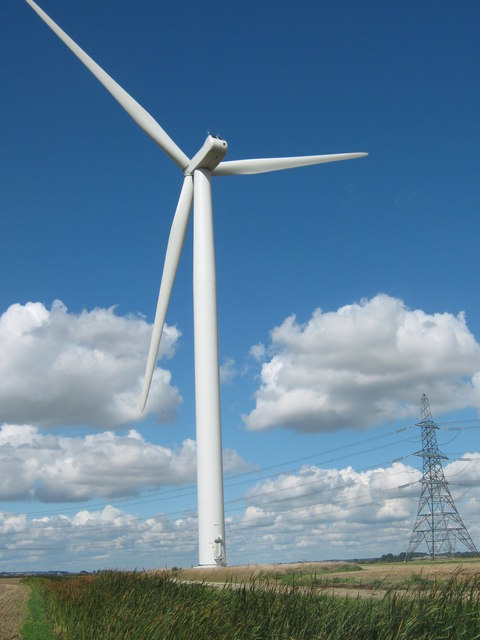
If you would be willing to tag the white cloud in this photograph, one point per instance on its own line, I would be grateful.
(61, 368)
(341, 513)
(365, 364)
(108, 538)
(228, 371)
(257, 351)
(53, 468)
(335, 491)
(312, 514)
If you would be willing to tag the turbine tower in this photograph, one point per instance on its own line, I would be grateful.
(438, 522)
(197, 172)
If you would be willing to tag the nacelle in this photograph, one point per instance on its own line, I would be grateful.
(209, 156)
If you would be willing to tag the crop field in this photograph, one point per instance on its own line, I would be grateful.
(343, 578)
(415, 601)
(13, 598)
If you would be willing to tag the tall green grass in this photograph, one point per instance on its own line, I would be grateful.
(116, 606)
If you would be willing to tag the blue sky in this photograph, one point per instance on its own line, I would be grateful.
(345, 290)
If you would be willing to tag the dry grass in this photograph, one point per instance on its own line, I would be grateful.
(13, 599)
(342, 576)
(400, 574)
(245, 573)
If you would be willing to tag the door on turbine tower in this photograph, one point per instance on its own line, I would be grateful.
(219, 552)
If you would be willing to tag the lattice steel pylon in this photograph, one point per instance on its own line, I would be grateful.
(438, 522)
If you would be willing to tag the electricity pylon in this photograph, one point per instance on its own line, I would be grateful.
(438, 522)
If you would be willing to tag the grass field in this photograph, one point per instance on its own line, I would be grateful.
(415, 601)
(418, 601)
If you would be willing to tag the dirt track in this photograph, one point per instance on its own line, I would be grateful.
(13, 599)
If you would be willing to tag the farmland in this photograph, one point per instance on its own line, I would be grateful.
(418, 600)
(342, 578)
(13, 598)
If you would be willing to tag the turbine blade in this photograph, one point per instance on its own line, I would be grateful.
(263, 165)
(131, 106)
(172, 258)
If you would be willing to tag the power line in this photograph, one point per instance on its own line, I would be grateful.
(190, 489)
(126, 527)
(93, 528)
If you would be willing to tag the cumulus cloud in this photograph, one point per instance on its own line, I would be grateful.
(62, 368)
(321, 513)
(107, 538)
(338, 494)
(365, 364)
(314, 513)
(53, 468)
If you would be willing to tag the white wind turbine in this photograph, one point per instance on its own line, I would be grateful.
(197, 171)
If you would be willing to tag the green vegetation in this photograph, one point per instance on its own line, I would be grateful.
(147, 606)
(420, 581)
(34, 625)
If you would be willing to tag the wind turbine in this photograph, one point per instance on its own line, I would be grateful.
(197, 171)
